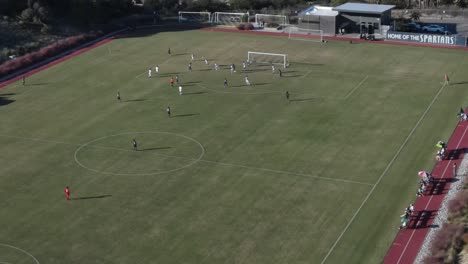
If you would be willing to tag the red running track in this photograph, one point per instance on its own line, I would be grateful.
(407, 243)
(54, 62)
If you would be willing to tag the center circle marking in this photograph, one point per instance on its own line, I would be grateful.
(195, 160)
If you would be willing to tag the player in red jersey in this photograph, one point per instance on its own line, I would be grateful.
(67, 192)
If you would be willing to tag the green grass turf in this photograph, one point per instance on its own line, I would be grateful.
(274, 182)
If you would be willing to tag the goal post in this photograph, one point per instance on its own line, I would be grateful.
(271, 19)
(200, 17)
(228, 18)
(267, 58)
(314, 35)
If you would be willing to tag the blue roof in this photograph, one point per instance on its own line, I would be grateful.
(363, 8)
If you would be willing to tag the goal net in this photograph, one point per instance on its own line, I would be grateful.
(315, 35)
(267, 58)
(199, 17)
(231, 19)
(271, 20)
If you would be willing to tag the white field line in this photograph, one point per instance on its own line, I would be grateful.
(191, 159)
(430, 199)
(383, 174)
(21, 250)
(356, 87)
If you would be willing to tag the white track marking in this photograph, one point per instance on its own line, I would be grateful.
(430, 199)
(21, 250)
(356, 87)
(383, 173)
(193, 159)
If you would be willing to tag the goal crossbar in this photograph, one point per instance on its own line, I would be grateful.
(315, 35)
(258, 18)
(216, 15)
(181, 15)
(267, 58)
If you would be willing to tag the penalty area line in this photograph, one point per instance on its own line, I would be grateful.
(383, 174)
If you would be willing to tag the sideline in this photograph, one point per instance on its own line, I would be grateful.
(384, 173)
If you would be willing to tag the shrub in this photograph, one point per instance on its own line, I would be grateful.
(458, 204)
(272, 25)
(44, 53)
(447, 242)
(249, 26)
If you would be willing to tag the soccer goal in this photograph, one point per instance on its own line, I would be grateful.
(227, 18)
(276, 20)
(315, 35)
(267, 58)
(200, 17)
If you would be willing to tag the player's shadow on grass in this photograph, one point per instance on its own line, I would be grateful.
(195, 93)
(4, 100)
(158, 148)
(289, 76)
(168, 74)
(91, 197)
(35, 84)
(455, 83)
(134, 100)
(185, 115)
(304, 99)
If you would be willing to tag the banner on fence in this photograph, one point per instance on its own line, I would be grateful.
(451, 40)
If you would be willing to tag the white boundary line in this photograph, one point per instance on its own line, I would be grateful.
(383, 174)
(200, 160)
(430, 199)
(21, 250)
(356, 87)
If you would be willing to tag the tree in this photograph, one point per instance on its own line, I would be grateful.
(461, 3)
(415, 15)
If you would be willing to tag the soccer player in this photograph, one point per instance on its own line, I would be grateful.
(216, 66)
(225, 83)
(272, 68)
(232, 68)
(247, 82)
(171, 81)
(24, 80)
(169, 51)
(177, 79)
(190, 66)
(244, 66)
(149, 73)
(118, 96)
(180, 90)
(193, 57)
(446, 80)
(156, 69)
(206, 61)
(67, 193)
(287, 96)
(135, 145)
(168, 111)
(280, 72)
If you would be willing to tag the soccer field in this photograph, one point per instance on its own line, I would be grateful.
(235, 175)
